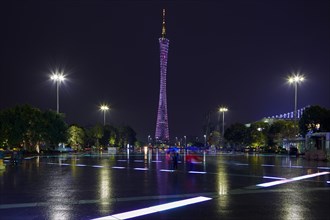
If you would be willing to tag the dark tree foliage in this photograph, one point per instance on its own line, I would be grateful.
(314, 119)
(27, 126)
(96, 133)
(126, 136)
(110, 136)
(237, 134)
(279, 130)
(55, 128)
(257, 134)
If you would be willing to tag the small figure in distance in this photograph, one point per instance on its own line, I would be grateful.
(175, 157)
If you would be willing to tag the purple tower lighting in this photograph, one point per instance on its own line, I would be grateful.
(162, 131)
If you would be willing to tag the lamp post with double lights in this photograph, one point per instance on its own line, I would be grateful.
(104, 108)
(223, 110)
(58, 77)
(295, 79)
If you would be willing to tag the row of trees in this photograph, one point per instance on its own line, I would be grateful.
(314, 119)
(99, 135)
(260, 134)
(31, 129)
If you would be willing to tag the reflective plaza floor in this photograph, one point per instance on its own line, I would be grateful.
(219, 186)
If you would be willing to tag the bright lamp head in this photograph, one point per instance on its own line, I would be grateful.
(58, 76)
(104, 107)
(296, 78)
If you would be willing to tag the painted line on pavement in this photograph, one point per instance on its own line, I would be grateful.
(278, 182)
(118, 167)
(81, 165)
(141, 168)
(197, 172)
(241, 164)
(64, 164)
(163, 170)
(28, 158)
(154, 209)
(98, 166)
(273, 177)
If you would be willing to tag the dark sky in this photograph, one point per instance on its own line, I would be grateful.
(236, 53)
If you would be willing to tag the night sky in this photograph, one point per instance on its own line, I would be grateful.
(236, 53)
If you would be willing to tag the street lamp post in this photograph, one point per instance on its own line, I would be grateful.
(204, 140)
(185, 141)
(223, 110)
(218, 124)
(58, 77)
(104, 108)
(295, 79)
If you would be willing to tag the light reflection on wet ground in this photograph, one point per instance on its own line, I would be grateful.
(87, 186)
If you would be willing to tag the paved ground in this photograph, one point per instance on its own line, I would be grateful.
(99, 185)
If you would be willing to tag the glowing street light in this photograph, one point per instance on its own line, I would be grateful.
(295, 79)
(223, 110)
(104, 108)
(58, 77)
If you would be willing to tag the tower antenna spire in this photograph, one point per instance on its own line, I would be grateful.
(163, 25)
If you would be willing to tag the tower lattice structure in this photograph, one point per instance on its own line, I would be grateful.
(162, 130)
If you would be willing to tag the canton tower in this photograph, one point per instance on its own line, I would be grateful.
(162, 132)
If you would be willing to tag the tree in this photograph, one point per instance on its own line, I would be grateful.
(32, 121)
(10, 134)
(113, 137)
(89, 139)
(28, 127)
(236, 134)
(138, 144)
(55, 128)
(313, 119)
(76, 136)
(110, 136)
(280, 130)
(257, 134)
(21, 126)
(214, 138)
(126, 136)
(96, 133)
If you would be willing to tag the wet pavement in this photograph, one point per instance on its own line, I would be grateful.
(89, 186)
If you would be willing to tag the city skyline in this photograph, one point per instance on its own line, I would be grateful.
(235, 54)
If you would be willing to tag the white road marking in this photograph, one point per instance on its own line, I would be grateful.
(154, 209)
(292, 179)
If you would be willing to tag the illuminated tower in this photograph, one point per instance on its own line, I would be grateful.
(162, 133)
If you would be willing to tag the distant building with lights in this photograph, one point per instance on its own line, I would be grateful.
(316, 145)
(286, 116)
(162, 130)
